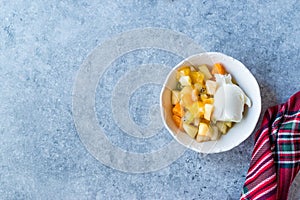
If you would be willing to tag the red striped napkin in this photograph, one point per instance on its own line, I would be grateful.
(276, 155)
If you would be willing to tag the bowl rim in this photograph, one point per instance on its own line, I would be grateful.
(250, 129)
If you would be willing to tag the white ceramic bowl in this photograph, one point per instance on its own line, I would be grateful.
(240, 131)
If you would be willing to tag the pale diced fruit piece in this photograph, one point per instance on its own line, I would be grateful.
(201, 138)
(193, 69)
(175, 96)
(197, 77)
(208, 108)
(183, 71)
(186, 96)
(205, 71)
(211, 87)
(186, 90)
(196, 121)
(186, 100)
(197, 109)
(195, 95)
(222, 127)
(208, 101)
(190, 130)
(203, 129)
(203, 97)
(205, 132)
(216, 133)
(185, 80)
(229, 124)
(198, 86)
(188, 117)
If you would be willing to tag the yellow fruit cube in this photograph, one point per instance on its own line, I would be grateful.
(183, 71)
(203, 97)
(197, 77)
(222, 127)
(208, 101)
(203, 129)
(205, 132)
(229, 124)
(208, 108)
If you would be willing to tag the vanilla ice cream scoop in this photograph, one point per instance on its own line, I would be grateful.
(229, 100)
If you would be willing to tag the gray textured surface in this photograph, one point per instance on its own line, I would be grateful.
(42, 45)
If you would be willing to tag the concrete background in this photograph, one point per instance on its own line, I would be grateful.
(43, 44)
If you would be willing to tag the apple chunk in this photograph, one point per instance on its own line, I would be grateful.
(190, 130)
(211, 87)
(208, 108)
(175, 97)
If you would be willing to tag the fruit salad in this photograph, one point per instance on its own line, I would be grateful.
(206, 103)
